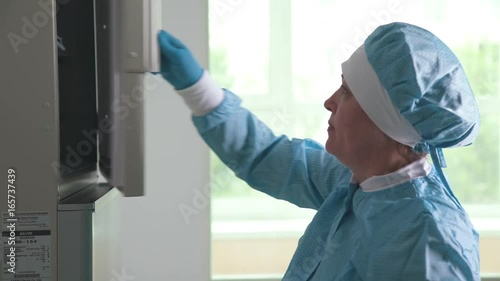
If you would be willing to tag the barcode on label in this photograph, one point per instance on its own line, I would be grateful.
(26, 275)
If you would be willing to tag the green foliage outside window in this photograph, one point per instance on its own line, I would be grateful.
(474, 171)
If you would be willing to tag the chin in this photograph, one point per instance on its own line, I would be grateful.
(329, 148)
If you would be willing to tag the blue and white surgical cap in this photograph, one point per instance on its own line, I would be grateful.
(413, 87)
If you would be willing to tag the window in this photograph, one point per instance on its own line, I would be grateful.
(283, 58)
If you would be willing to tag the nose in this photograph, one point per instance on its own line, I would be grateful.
(331, 104)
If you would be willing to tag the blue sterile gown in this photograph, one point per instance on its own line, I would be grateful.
(415, 230)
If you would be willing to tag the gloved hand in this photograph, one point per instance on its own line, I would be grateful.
(178, 66)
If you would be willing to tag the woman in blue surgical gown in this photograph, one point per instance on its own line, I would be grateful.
(384, 212)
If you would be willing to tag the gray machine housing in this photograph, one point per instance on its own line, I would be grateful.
(63, 96)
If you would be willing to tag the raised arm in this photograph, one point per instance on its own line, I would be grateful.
(299, 171)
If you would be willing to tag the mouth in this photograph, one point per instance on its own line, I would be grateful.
(330, 127)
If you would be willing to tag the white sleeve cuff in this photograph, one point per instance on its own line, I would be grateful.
(203, 96)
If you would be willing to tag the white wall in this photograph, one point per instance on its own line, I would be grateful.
(157, 242)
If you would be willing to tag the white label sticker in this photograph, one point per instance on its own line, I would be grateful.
(26, 247)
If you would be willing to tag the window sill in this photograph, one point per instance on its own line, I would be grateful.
(485, 217)
(255, 229)
(485, 277)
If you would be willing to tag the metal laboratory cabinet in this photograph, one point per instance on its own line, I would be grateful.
(71, 137)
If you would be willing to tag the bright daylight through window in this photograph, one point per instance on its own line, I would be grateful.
(283, 58)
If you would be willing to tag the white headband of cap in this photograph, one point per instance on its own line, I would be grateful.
(375, 101)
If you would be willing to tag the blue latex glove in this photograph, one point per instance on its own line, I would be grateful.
(178, 66)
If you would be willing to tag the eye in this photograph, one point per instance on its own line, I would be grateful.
(344, 90)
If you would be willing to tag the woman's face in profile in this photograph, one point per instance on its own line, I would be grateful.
(351, 133)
